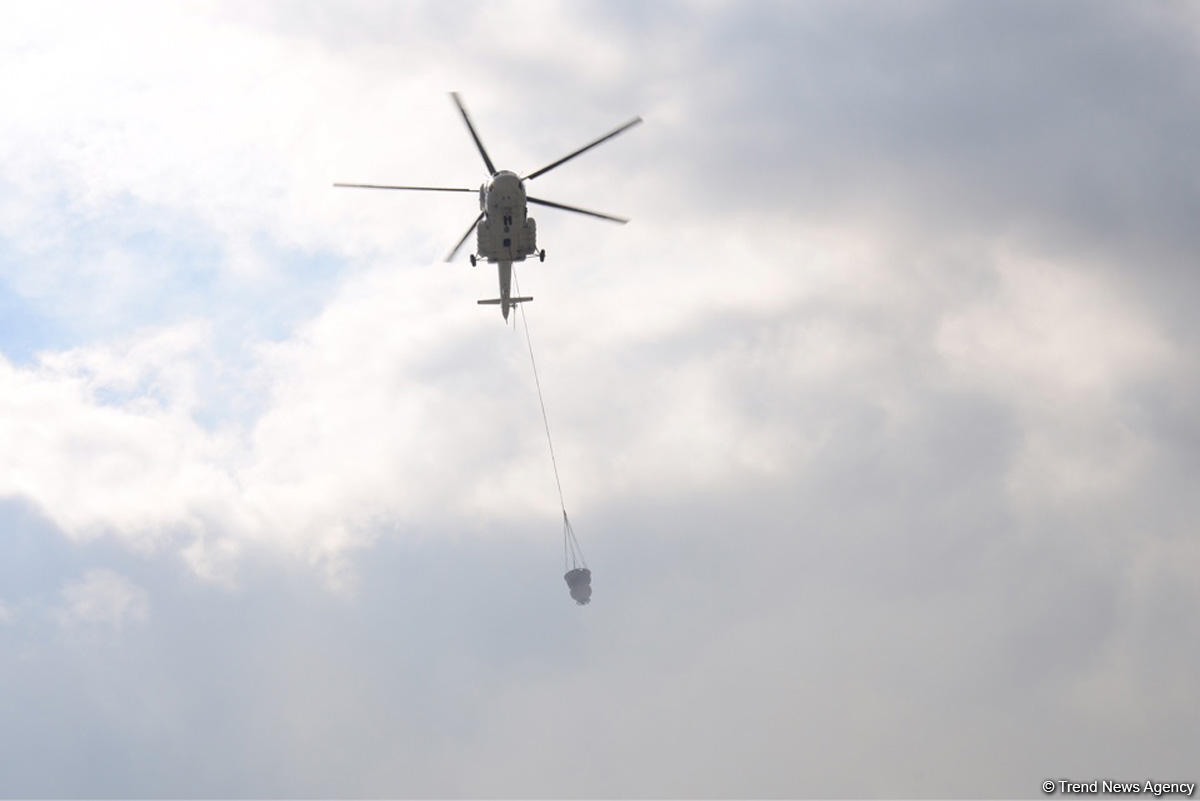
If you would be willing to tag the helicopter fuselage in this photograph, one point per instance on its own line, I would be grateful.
(506, 232)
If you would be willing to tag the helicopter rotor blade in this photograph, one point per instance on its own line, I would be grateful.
(540, 202)
(467, 119)
(450, 256)
(417, 188)
(583, 149)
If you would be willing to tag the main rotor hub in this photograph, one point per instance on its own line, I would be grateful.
(505, 190)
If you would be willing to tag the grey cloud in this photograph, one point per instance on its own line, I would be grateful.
(802, 642)
(1068, 126)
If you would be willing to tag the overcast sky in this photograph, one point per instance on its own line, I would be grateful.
(877, 423)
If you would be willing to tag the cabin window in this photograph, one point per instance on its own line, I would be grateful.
(507, 243)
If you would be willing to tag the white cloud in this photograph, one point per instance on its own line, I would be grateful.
(101, 439)
(402, 403)
(1053, 335)
(1066, 349)
(103, 598)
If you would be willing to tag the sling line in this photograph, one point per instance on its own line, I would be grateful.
(572, 553)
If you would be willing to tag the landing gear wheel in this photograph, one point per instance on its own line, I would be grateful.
(541, 255)
(472, 261)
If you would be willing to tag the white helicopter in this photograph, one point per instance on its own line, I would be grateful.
(506, 232)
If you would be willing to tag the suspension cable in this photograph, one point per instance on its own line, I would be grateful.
(572, 552)
(570, 541)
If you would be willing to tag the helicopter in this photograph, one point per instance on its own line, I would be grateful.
(505, 233)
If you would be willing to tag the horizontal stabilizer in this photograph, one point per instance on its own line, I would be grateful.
(497, 301)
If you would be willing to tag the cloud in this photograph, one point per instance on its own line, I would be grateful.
(101, 438)
(877, 421)
(103, 598)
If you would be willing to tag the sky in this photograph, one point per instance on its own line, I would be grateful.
(876, 423)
